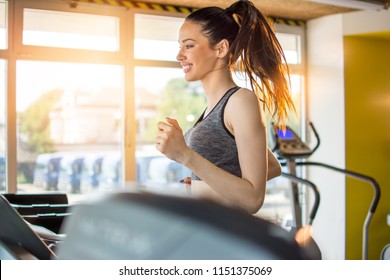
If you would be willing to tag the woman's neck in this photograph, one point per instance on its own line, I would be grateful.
(216, 85)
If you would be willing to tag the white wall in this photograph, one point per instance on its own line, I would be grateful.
(325, 73)
(366, 22)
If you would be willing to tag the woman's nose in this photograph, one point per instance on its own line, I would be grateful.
(179, 56)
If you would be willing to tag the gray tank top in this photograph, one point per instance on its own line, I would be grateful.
(210, 138)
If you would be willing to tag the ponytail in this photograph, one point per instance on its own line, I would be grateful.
(261, 56)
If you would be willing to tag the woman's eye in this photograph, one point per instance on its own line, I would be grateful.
(189, 46)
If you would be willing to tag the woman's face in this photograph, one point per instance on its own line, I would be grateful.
(196, 55)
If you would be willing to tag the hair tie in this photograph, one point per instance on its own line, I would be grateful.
(229, 11)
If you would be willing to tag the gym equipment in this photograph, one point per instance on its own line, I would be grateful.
(146, 225)
(43, 209)
(290, 147)
(17, 239)
(385, 254)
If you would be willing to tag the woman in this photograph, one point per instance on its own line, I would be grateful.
(226, 149)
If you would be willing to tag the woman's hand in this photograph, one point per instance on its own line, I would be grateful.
(187, 182)
(170, 140)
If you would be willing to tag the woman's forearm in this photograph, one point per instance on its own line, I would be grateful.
(274, 167)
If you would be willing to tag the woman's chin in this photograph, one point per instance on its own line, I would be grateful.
(188, 79)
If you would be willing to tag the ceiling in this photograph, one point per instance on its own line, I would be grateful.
(286, 9)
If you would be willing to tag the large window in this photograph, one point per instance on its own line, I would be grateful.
(292, 48)
(3, 24)
(69, 88)
(70, 30)
(3, 83)
(69, 126)
(156, 37)
(2, 125)
(291, 44)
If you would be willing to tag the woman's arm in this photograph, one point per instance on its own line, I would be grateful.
(201, 189)
(274, 167)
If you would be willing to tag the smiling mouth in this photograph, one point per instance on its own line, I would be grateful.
(187, 68)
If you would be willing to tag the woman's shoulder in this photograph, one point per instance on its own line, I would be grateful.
(243, 97)
(243, 110)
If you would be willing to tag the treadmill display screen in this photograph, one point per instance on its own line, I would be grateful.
(288, 135)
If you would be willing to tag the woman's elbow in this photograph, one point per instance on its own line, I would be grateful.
(254, 206)
(274, 171)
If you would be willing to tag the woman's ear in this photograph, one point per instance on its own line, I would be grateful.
(222, 48)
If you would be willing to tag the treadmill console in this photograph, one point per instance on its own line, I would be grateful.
(289, 145)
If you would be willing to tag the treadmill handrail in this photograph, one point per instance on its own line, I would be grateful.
(316, 203)
(374, 201)
(356, 175)
(317, 137)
